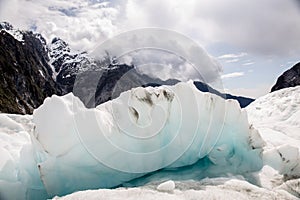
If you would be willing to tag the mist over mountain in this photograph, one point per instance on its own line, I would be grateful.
(34, 69)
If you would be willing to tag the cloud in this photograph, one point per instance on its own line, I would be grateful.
(231, 56)
(238, 23)
(248, 63)
(232, 60)
(232, 75)
(83, 24)
(242, 24)
(164, 53)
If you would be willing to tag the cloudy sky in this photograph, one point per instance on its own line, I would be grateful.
(254, 41)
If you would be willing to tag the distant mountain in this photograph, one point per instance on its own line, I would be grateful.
(33, 70)
(243, 101)
(289, 78)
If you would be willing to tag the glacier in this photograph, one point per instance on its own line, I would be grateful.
(149, 135)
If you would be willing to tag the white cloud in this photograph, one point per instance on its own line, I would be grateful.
(232, 56)
(238, 23)
(83, 24)
(234, 22)
(164, 53)
(232, 60)
(248, 63)
(232, 75)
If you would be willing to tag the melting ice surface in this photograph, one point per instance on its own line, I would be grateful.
(145, 135)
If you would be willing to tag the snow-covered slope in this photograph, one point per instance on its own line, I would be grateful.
(278, 113)
(277, 117)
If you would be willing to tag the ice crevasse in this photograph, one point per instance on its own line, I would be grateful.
(145, 134)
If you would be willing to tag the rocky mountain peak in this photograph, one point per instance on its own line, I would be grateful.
(6, 26)
(289, 78)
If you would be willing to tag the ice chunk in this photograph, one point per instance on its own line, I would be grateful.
(142, 131)
(167, 186)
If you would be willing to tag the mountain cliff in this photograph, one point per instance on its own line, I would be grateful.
(25, 73)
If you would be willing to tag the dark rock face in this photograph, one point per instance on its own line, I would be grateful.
(25, 74)
(289, 78)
